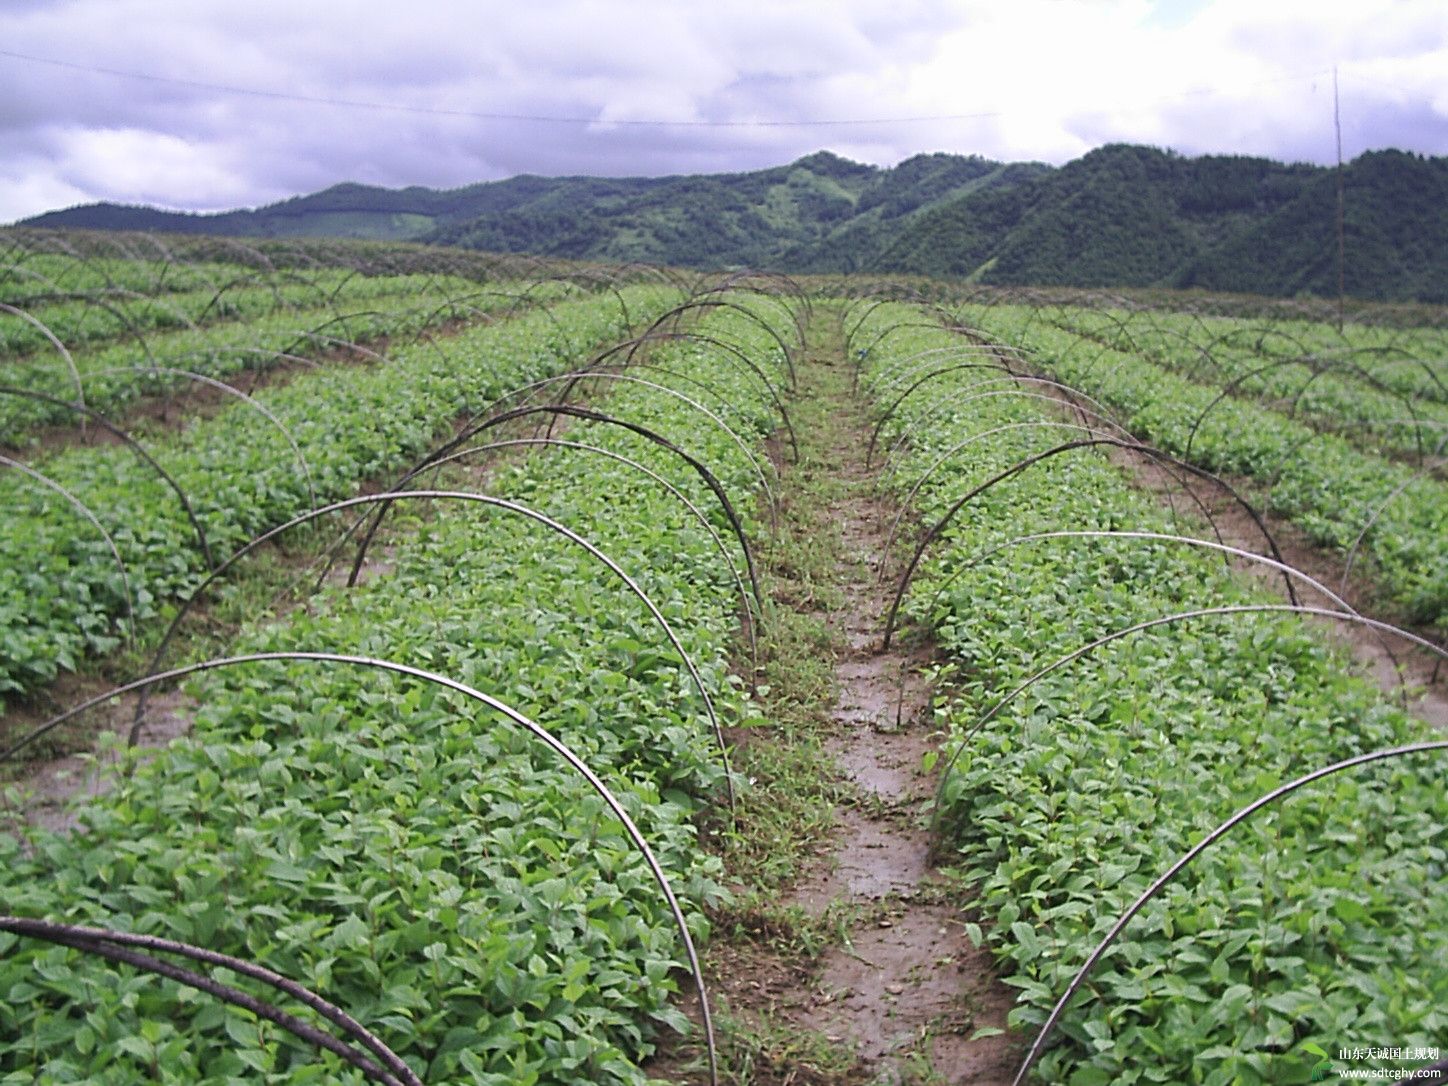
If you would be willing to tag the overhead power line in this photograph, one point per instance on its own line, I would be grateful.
(350, 103)
(538, 118)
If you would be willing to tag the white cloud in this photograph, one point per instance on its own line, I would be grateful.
(150, 167)
(1045, 79)
(27, 185)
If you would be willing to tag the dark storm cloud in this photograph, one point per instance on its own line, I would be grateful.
(1034, 79)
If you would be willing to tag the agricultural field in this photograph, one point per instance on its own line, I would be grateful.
(1347, 442)
(490, 670)
(1088, 763)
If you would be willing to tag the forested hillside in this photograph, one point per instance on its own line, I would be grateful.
(1122, 215)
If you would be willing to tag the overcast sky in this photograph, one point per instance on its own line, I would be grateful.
(211, 104)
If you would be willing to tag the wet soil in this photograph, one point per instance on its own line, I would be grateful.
(901, 986)
(50, 795)
(1413, 676)
(194, 401)
(79, 760)
(908, 988)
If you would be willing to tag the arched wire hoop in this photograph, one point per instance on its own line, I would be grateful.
(457, 495)
(909, 498)
(967, 343)
(593, 278)
(1065, 396)
(267, 358)
(778, 283)
(889, 411)
(85, 511)
(749, 456)
(752, 606)
(1288, 572)
(712, 303)
(799, 318)
(1163, 461)
(723, 401)
(1335, 367)
(589, 414)
(1021, 465)
(631, 346)
(1166, 620)
(55, 342)
(893, 372)
(115, 946)
(1228, 391)
(230, 390)
(1377, 512)
(963, 328)
(336, 343)
(542, 734)
(873, 301)
(251, 278)
(132, 444)
(98, 300)
(460, 302)
(788, 293)
(597, 368)
(1038, 1046)
(342, 319)
(1440, 391)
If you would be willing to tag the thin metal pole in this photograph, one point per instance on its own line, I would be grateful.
(1341, 215)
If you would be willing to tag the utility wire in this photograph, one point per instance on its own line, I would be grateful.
(349, 103)
(535, 118)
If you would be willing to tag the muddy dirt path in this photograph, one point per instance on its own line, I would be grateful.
(901, 984)
(910, 990)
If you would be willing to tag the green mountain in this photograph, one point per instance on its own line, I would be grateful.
(1135, 216)
(1121, 215)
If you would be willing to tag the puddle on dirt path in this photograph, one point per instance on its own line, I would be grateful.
(907, 989)
(910, 999)
(877, 858)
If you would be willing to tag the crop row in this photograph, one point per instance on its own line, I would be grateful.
(1341, 392)
(1315, 924)
(37, 264)
(1341, 497)
(1407, 359)
(115, 374)
(107, 315)
(63, 592)
(424, 864)
(27, 274)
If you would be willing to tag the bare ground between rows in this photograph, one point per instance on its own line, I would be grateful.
(82, 760)
(171, 411)
(1402, 670)
(1399, 668)
(49, 792)
(903, 988)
